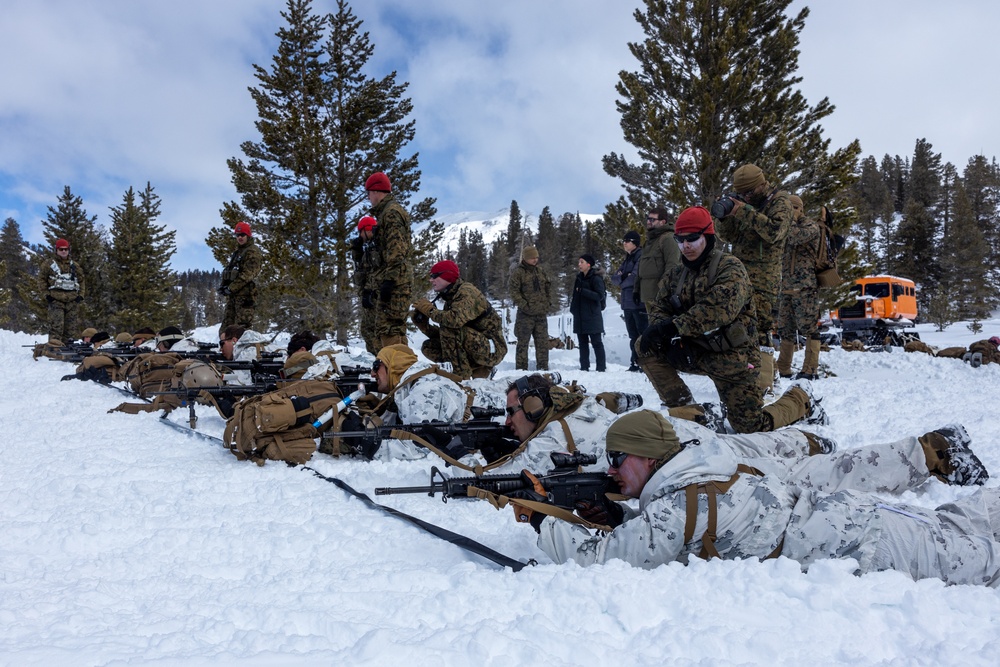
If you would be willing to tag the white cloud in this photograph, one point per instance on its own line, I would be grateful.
(513, 100)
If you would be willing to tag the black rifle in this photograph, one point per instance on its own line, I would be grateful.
(457, 439)
(225, 397)
(563, 485)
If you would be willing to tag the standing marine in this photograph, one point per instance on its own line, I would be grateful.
(531, 290)
(239, 278)
(394, 274)
(62, 281)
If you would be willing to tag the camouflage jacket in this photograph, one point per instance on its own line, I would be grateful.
(465, 306)
(395, 245)
(758, 239)
(798, 263)
(368, 263)
(62, 275)
(811, 507)
(243, 268)
(707, 307)
(530, 288)
(660, 254)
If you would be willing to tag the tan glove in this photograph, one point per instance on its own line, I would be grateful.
(424, 307)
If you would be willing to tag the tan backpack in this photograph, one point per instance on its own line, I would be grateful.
(279, 425)
(150, 373)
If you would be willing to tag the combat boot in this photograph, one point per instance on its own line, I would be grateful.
(819, 444)
(766, 381)
(619, 402)
(784, 363)
(811, 362)
(948, 451)
(709, 415)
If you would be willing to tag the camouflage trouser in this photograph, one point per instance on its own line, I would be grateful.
(734, 374)
(526, 326)
(466, 349)
(765, 304)
(798, 313)
(239, 310)
(390, 317)
(367, 326)
(63, 320)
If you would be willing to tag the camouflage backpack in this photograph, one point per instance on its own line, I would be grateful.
(151, 373)
(279, 425)
(830, 245)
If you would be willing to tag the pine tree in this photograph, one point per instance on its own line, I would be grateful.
(472, 259)
(715, 89)
(982, 186)
(141, 283)
(15, 313)
(873, 202)
(914, 254)
(570, 231)
(515, 237)
(324, 127)
(963, 272)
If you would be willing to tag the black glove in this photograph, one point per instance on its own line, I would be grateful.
(224, 290)
(368, 298)
(78, 299)
(385, 291)
(49, 298)
(497, 445)
(435, 436)
(604, 512)
(656, 335)
(635, 297)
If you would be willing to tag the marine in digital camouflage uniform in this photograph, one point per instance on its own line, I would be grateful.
(824, 508)
(702, 321)
(530, 288)
(798, 305)
(466, 332)
(366, 263)
(63, 286)
(756, 230)
(239, 278)
(394, 273)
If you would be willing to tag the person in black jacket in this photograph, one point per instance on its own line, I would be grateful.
(589, 296)
(633, 310)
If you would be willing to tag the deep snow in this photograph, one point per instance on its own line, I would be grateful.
(123, 541)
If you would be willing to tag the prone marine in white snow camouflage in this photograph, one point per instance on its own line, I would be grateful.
(822, 507)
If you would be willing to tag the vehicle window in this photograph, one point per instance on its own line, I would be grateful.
(877, 290)
(897, 291)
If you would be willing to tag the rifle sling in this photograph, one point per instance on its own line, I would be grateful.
(711, 490)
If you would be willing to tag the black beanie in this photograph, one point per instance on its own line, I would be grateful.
(589, 259)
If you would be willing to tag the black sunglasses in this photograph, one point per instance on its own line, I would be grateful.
(616, 459)
(513, 410)
(377, 364)
(687, 238)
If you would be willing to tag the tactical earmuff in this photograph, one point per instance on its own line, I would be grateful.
(534, 402)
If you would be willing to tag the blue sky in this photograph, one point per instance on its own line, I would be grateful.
(512, 100)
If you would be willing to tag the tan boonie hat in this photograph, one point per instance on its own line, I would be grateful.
(796, 202)
(644, 433)
(124, 338)
(529, 252)
(88, 332)
(747, 177)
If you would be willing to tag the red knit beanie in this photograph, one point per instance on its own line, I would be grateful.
(242, 228)
(367, 222)
(378, 182)
(62, 243)
(694, 220)
(446, 269)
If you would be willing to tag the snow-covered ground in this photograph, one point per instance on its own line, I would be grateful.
(123, 541)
